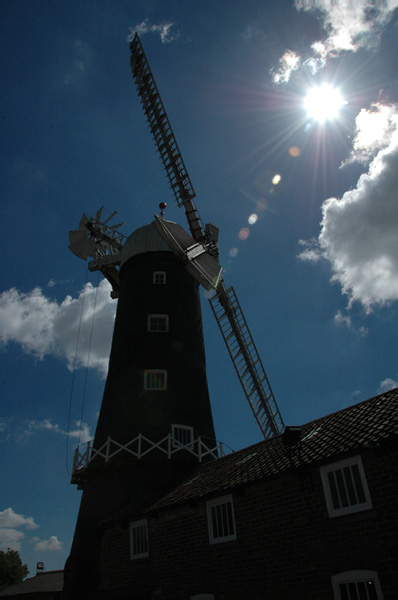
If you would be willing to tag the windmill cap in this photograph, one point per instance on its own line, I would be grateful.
(144, 239)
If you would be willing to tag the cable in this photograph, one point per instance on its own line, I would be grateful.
(88, 360)
(73, 376)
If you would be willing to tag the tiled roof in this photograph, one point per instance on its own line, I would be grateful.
(368, 424)
(49, 581)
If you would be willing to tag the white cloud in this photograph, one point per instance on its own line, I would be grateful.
(5, 430)
(54, 282)
(53, 543)
(9, 518)
(349, 26)
(359, 231)
(82, 431)
(163, 29)
(288, 63)
(341, 319)
(10, 538)
(375, 129)
(388, 384)
(10, 521)
(45, 327)
(311, 251)
(79, 62)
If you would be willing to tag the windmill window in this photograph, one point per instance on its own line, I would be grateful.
(182, 436)
(158, 323)
(345, 487)
(220, 519)
(159, 277)
(155, 379)
(139, 539)
(355, 585)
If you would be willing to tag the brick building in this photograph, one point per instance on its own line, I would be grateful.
(309, 514)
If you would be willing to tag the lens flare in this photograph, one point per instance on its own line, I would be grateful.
(276, 179)
(294, 151)
(244, 233)
(252, 219)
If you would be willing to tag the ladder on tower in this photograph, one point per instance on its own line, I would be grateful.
(246, 361)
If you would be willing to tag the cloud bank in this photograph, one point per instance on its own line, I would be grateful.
(45, 327)
(359, 231)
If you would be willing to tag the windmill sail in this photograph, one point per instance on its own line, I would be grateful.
(163, 135)
(246, 361)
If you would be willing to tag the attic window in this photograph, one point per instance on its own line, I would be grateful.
(220, 518)
(182, 436)
(345, 487)
(159, 277)
(139, 539)
(356, 584)
(155, 380)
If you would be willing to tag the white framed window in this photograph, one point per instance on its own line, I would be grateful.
(139, 539)
(155, 379)
(220, 519)
(345, 487)
(159, 277)
(357, 585)
(158, 323)
(182, 436)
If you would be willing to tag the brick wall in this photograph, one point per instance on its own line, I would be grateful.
(286, 547)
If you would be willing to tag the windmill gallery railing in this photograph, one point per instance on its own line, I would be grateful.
(140, 446)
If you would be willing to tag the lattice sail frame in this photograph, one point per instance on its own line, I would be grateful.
(164, 138)
(246, 361)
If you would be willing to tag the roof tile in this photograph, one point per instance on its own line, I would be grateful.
(366, 424)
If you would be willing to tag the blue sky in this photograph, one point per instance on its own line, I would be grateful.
(315, 269)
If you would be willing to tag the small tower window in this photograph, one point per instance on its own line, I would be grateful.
(155, 379)
(182, 436)
(159, 277)
(158, 323)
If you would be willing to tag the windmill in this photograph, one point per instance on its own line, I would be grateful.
(197, 250)
(155, 421)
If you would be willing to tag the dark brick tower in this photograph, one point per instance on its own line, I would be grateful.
(155, 403)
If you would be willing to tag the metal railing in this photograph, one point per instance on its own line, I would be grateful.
(140, 446)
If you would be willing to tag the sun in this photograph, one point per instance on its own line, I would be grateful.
(323, 103)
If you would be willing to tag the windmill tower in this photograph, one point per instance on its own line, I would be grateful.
(155, 422)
